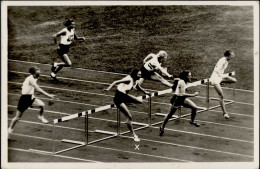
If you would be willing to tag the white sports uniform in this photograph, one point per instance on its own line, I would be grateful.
(68, 37)
(217, 74)
(123, 87)
(28, 88)
(152, 64)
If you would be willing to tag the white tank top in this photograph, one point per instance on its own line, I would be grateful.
(123, 87)
(178, 88)
(27, 87)
(68, 37)
(221, 65)
(152, 64)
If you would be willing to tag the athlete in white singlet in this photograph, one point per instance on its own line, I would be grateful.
(67, 35)
(28, 99)
(122, 97)
(152, 63)
(217, 77)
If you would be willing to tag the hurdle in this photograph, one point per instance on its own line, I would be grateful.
(196, 83)
(84, 114)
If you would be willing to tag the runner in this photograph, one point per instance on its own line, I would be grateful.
(152, 63)
(218, 77)
(122, 97)
(180, 99)
(28, 99)
(67, 35)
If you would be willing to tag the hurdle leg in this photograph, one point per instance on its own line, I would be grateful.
(150, 111)
(179, 112)
(53, 139)
(234, 90)
(86, 128)
(207, 95)
(118, 121)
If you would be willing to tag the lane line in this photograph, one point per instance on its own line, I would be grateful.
(228, 125)
(55, 155)
(205, 149)
(78, 91)
(91, 70)
(65, 78)
(95, 82)
(131, 152)
(181, 131)
(12, 60)
(234, 113)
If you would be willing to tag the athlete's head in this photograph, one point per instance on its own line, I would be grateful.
(162, 55)
(185, 75)
(35, 71)
(135, 74)
(229, 54)
(69, 23)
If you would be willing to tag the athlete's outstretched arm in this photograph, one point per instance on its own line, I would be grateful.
(141, 89)
(35, 85)
(78, 38)
(115, 83)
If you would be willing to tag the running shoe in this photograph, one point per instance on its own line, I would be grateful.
(194, 124)
(43, 119)
(226, 116)
(54, 77)
(136, 138)
(54, 66)
(161, 131)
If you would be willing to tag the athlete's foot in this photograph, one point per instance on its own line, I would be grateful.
(136, 138)
(54, 66)
(194, 124)
(53, 76)
(161, 131)
(43, 119)
(226, 116)
(10, 131)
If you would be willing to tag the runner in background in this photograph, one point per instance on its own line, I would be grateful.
(67, 35)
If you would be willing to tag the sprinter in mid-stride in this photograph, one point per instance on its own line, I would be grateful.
(28, 99)
(67, 35)
(180, 98)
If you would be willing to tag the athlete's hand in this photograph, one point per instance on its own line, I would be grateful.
(52, 96)
(83, 38)
(196, 93)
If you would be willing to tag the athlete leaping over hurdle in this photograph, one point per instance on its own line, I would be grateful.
(152, 63)
(121, 96)
(218, 76)
(180, 99)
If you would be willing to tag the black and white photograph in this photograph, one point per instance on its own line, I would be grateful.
(129, 84)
